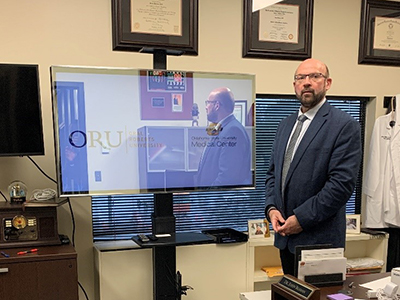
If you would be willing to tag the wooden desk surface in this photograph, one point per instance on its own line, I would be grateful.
(357, 291)
(44, 253)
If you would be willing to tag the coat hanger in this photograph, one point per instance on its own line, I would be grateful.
(392, 113)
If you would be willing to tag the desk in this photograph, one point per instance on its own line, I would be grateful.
(358, 291)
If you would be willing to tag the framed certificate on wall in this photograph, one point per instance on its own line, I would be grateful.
(279, 31)
(379, 33)
(155, 24)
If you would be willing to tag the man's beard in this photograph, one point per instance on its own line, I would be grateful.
(212, 117)
(310, 100)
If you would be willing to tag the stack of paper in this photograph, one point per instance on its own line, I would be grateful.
(322, 261)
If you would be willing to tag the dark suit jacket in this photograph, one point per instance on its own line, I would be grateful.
(321, 177)
(226, 160)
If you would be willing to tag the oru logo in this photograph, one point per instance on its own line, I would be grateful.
(132, 139)
(108, 139)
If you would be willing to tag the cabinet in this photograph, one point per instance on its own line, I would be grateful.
(48, 274)
(261, 253)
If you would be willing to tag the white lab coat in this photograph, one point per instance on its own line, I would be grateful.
(382, 176)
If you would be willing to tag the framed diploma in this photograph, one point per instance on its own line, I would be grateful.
(380, 33)
(279, 31)
(138, 25)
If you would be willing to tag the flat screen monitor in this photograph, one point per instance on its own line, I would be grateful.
(128, 131)
(21, 131)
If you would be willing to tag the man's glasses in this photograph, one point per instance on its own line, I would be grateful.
(209, 101)
(311, 76)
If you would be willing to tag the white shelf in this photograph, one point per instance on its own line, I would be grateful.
(262, 241)
(364, 237)
(261, 253)
(349, 237)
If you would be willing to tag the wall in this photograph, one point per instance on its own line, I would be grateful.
(78, 32)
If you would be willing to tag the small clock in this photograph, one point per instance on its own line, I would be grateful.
(19, 222)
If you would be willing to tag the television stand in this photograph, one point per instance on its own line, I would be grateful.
(167, 284)
(181, 288)
(176, 239)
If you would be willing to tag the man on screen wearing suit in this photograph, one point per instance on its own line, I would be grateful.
(226, 160)
(308, 207)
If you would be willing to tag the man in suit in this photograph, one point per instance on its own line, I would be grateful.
(226, 160)
(308, 208)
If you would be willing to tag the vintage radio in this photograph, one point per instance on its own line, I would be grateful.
(28, 224)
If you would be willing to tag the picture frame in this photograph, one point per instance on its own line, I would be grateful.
(258, 228)
(240, 111)
(379, 33)
(177, 32)
(290, 38)
(353, 224)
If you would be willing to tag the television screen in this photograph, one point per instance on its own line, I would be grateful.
(126, 131)
(21, 131)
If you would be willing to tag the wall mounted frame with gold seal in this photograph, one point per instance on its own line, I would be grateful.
(279, 31)
(379, 33)
(139, 25)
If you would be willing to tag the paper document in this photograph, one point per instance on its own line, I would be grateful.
(322, 254)
(376, 284)
(324, 266)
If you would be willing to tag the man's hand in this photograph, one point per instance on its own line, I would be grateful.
(291, 226)
(282, 226)
(276, 219)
